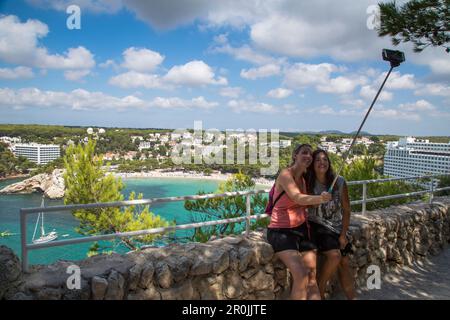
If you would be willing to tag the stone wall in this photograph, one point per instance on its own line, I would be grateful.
(234, 267)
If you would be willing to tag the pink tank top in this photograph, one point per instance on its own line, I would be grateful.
(286, 213)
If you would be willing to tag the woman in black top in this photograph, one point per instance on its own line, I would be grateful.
(330, 222)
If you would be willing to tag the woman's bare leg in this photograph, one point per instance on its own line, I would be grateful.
(310, 261)
(329, 267)
(292, 259)
(346, 278)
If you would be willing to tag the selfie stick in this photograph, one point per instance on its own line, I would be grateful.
(394, 63)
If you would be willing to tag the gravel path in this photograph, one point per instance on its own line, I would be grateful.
(424, 280)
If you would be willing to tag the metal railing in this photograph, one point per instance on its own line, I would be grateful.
(247, 218)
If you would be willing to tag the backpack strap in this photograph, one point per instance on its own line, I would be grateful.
(278, 198)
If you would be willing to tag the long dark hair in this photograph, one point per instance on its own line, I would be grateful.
(311, 174)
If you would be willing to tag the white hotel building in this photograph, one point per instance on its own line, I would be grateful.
(38, 153)
(411, 157)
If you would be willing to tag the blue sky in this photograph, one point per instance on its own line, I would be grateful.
(289, 65)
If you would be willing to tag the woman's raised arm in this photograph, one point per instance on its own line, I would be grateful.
(287, 183)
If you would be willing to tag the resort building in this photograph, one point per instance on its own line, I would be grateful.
(38, 153)
(285, 143)
(144, 145)
(412, 157)
(328, 146)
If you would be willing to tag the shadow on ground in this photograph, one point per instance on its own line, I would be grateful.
(428, 279)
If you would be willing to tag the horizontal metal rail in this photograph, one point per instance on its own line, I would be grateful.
(360, 182)
(26, 211)
(127, 203)
(141, 232)
(394, 196)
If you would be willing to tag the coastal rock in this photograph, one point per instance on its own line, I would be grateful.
(184, 291)
(98, 286)
(163, 275)
(115, 290)
(245, 256)
(49, 294)
(134, 274)
(78, 294)
(10, 269)
(147, 275)
(52, 185)
(260, 281)
(148, 294)
(233, 286)
(210, 288)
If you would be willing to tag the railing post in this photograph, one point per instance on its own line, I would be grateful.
(364, 198)
(23, 238)
(431, 191)
(248, 213)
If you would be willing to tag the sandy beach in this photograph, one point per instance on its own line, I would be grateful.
(187, 175)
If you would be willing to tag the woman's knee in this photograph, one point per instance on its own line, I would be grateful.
(333, 257)
(298, 272)
(294, 263)
(310, 262)
(309, 259)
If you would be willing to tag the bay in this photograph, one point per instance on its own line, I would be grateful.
(64, 223)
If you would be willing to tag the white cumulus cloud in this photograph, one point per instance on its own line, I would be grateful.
(78, 99)
(193, 73)
(133, 79)
(141, 60)
(19, 44)
(279, 93)
(368, 93)
(16, 73)
(231, 92)
(265, 71)
(418, 106)
(301, 75)
(341, 85)
(434, 89)
(175, 103)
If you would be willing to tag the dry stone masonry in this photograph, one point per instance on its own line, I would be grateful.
(235, 267)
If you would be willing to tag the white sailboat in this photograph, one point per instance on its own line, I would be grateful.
(44, 237)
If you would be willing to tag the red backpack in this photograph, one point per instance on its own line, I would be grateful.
(271, 203)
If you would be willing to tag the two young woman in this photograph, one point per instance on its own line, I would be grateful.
(296, 235)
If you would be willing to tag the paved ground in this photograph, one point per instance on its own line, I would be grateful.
(426, 279)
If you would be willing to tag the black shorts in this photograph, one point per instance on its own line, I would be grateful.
(326, 240)
(290, 239)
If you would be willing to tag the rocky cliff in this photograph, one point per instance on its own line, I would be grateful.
(52, 185)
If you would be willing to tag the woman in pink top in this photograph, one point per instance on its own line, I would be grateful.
(288, 231)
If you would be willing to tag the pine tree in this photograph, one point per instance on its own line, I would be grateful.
(87, 182)
(225, 208)
(422, 22)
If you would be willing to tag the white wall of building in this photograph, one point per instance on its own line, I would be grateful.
(411, 157)
(38, 153)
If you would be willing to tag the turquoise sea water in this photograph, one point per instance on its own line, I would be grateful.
(64, 223)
